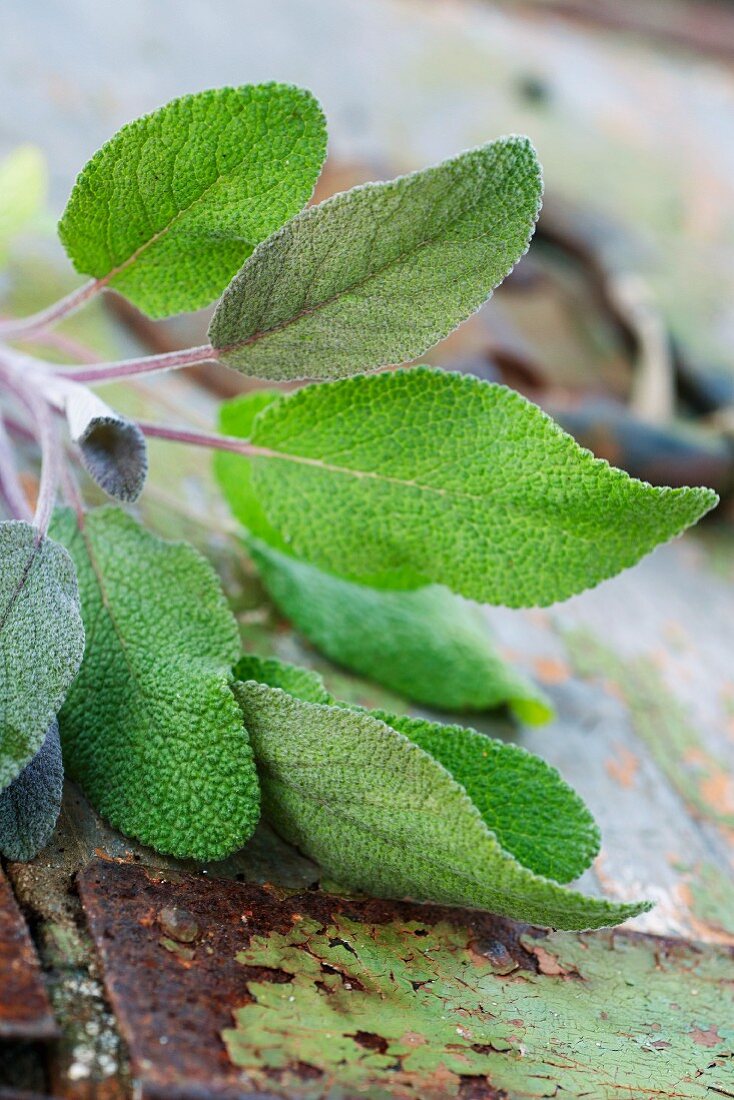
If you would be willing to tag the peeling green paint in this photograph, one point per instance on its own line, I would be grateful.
(662, 723)
(419, 1012)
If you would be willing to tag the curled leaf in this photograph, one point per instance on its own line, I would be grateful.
(30, 806)
(112, 448)
(382, 814)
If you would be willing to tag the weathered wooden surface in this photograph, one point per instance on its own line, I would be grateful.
(337, 998)
(639, 670)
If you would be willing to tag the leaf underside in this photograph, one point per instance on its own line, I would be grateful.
(379, 274)
(380, 814)
(167, 210)
(150, 729)
(41, 641)
(30, 806)
(422, 476)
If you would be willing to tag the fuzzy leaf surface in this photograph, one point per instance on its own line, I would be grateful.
(380, 814)
(531, 810)
(169, 208)
(30, 806)
(426, 644)
(421, 476)
(41, 641)
(150, 730)
(378, 274)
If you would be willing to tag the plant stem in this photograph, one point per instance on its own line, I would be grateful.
(200, 439)
(125, 368)
(51, 460)
(10, 486)
(25, 388)
(23, 327)
(71, 494)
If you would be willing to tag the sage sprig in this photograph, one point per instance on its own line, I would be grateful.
(372, 505)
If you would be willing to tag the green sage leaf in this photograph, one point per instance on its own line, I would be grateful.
(380, 273)
(41, 641)
(421, 476)
(533, 813)
(30, 806)
(426, 644)
(150, 730)
(168, 209)
(381, 814)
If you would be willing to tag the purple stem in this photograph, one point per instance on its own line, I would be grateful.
(51, 460)
(46, 431)
(201, 439)
(125, 368)
(71, 493)
(22, 327)
(10, 486)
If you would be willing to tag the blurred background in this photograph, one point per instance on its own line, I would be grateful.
(620, 321)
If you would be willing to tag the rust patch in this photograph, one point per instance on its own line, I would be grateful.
(25, 1010)
(171, 1009)
(706, 1038)
(549, 964)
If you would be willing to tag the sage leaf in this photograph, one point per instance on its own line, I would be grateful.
(524, 801)
(381, 814)
(41, 641)
(378, 274)
(30, 806)
(421, 476)
(167, 210)
(426, 644)
(304, 683)
(150, 730)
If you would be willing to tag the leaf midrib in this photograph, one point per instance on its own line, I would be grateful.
(15, 594)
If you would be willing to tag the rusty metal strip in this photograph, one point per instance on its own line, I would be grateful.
(168, 944)
(318, 996)
(25, 1010)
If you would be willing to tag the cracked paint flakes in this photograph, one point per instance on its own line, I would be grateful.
(405, 1010)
